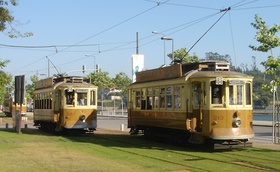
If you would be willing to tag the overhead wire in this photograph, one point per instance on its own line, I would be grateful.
(126, 20)
(178, 28)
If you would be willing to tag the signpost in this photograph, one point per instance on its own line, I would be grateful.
(19, 98)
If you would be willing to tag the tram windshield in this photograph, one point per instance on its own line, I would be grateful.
(84, 97)
(238, 93)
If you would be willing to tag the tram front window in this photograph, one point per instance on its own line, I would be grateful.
(82, 97)
(69, 95)
(235, 94)
(216, 91)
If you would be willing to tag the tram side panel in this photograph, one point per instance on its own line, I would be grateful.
(162, 117)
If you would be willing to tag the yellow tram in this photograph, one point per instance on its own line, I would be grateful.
(65, 103)
(195, 103)
(10, 107)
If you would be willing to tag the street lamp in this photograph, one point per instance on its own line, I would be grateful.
(170, 39)
(155, 32)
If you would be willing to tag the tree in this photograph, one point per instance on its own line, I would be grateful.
(268, 40)
(102, 80)
(5, 79)
(265, 36)
(181, 55)
(121, 81)
(217, 57)
(7, 21)
(30, 88)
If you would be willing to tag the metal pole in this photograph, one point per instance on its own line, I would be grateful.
(102, 104)
(94, 64)
(273, 117)
(114, 106)
(173, 50)
(277, 127)
(164, 52)
(48, 67)
(122, 105)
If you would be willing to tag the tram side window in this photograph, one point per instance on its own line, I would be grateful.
(92, 97)
(162, 98)
(150, 99)
(177, 97)
(156, 98)
(248, 94)
(69, 95)
(169, 97)
(143, 100)
(138, 99)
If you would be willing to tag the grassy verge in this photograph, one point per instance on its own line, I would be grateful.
(37, 151)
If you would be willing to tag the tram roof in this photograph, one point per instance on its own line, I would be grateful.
(66, 80)
(198, 69)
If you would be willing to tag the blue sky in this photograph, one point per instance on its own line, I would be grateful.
(105, 31)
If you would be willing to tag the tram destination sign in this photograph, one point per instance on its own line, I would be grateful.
(236, 82)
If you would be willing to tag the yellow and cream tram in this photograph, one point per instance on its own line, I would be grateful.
(10, 107)
(193, 103)
(65, 103)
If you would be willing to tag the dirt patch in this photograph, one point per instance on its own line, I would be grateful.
(108, 131)
(250, 165)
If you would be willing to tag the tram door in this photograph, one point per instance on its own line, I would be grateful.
(197, 100)
(57, 105)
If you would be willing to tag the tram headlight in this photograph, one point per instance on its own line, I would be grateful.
(82, 117)
(236, 122)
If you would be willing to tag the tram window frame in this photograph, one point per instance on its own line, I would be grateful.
(169, 102)
(248, 93)
(236, 94)
(216, 93)
(143, 99)
(69, 97)
(177, 97)
(82, 97)
(92, 97)
(196, 90)
(239, 91)
(149, 98)
(137, 99)
(156, 98)
(162, 98)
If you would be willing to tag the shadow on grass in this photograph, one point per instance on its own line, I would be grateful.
(27, 131)
(124, 140)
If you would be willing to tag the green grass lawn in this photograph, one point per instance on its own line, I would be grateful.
(34, 150)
